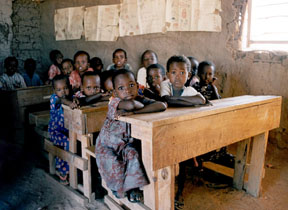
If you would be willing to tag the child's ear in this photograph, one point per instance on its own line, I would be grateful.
(189, 74)
(114, 93)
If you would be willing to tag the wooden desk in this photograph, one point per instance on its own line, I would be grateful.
(179, 134)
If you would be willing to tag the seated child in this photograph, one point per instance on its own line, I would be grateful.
(58, 133)
(67, 66)
(119, 61)
(81, 63)
(117, 159)
(106, 82)
(96, 64)
(192, 76)
(148, 57)
(206, 85)
(173, 89)
(11, 79)
(30, 77)
(56, 58)
(155, 75)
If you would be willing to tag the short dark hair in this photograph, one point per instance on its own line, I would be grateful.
(8, 60)
(95, 62)
(121, 72)
(156, 66)
(58, 78)
(148, 51)
(30, 64)
(119, 50)
(68, 60)
(202, 66)
(89, 73)
(81, 52)
(105, 75)
(178, 59)
(53, 55)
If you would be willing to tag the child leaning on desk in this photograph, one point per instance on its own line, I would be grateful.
(117, 158)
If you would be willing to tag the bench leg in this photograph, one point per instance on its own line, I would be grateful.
(73, 180)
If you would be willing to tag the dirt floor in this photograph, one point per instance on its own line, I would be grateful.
(24, 185)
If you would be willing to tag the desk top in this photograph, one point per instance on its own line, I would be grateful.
(174, 115)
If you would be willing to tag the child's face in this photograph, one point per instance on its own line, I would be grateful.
(67, 68)
(126, 87)
(178, 75)
(119, 59)
(11, 68)
(108, 85)
(155, 77)
(81, 63)
(91, 85)
(59, 58)
(61, 88)
(208, 75)
(149, 58)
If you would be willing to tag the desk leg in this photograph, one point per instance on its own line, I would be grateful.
(85, 142)
(159, 194)
(72, 169)
(240, 163)
(256, 168)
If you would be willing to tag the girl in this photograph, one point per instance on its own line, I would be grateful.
(117, 159)
(67, 66)
(148, 57)
(56, 57)
(58, 133)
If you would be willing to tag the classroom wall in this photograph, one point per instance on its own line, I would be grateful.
(238, 72)
(5, 31)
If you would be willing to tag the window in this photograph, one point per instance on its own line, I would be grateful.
(266, 25)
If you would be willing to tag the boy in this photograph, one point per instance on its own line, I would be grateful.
(31, 78)
(173, 89)
(119, 60)
(11, 80)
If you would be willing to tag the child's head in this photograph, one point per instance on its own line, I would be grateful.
(60, 85)
(155, 75)
(149, 57)
(11, 65)
(30, 66)
(96, 64)
(119, 58)
(56, 57)
(91, 83)
(194, 65)
(206, 70)
(177, 71)
(106, 81)
(67, 66)
(125, 85)
(81, 61)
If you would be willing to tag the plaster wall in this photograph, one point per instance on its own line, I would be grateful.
(238, 72)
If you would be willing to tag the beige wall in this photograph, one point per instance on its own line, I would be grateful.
(238, 72)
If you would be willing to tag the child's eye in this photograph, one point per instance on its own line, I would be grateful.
(182, 72)
(132, 85)
(120, 88)
(173, 72)
(156, 77)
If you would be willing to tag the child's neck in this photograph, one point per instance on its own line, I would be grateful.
(177, 92)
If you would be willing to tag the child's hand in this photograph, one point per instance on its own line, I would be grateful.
(73, 105)
(138, 105)
(76, 101)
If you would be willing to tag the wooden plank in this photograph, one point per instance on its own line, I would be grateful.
(39, 118)
(73, 180)
(42, 133)
(72, 159)
(113, 205)
(256, 168)
(91, 151)
(85, 142)
(240, 163)
(221, 129)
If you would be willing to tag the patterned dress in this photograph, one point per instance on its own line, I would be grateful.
(117, 160)
(58, 133)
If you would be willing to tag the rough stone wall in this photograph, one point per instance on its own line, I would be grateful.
(238, 72)
(5, 31)
(26, 30)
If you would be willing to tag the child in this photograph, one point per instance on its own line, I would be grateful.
(67, 66)
(155, 75)
(106, 82)
(58, 133)
(96, 64)
(192, 76)
(81, 63)
(11, 80)
(31, 78)
(173, 89)
(206, 84)
(119, 60)
(56, 57)
(148, 57)
(117, 159)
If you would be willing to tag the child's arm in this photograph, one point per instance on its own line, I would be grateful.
(185, 100)
(67, 102)
(157, 106)
(130, 105)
